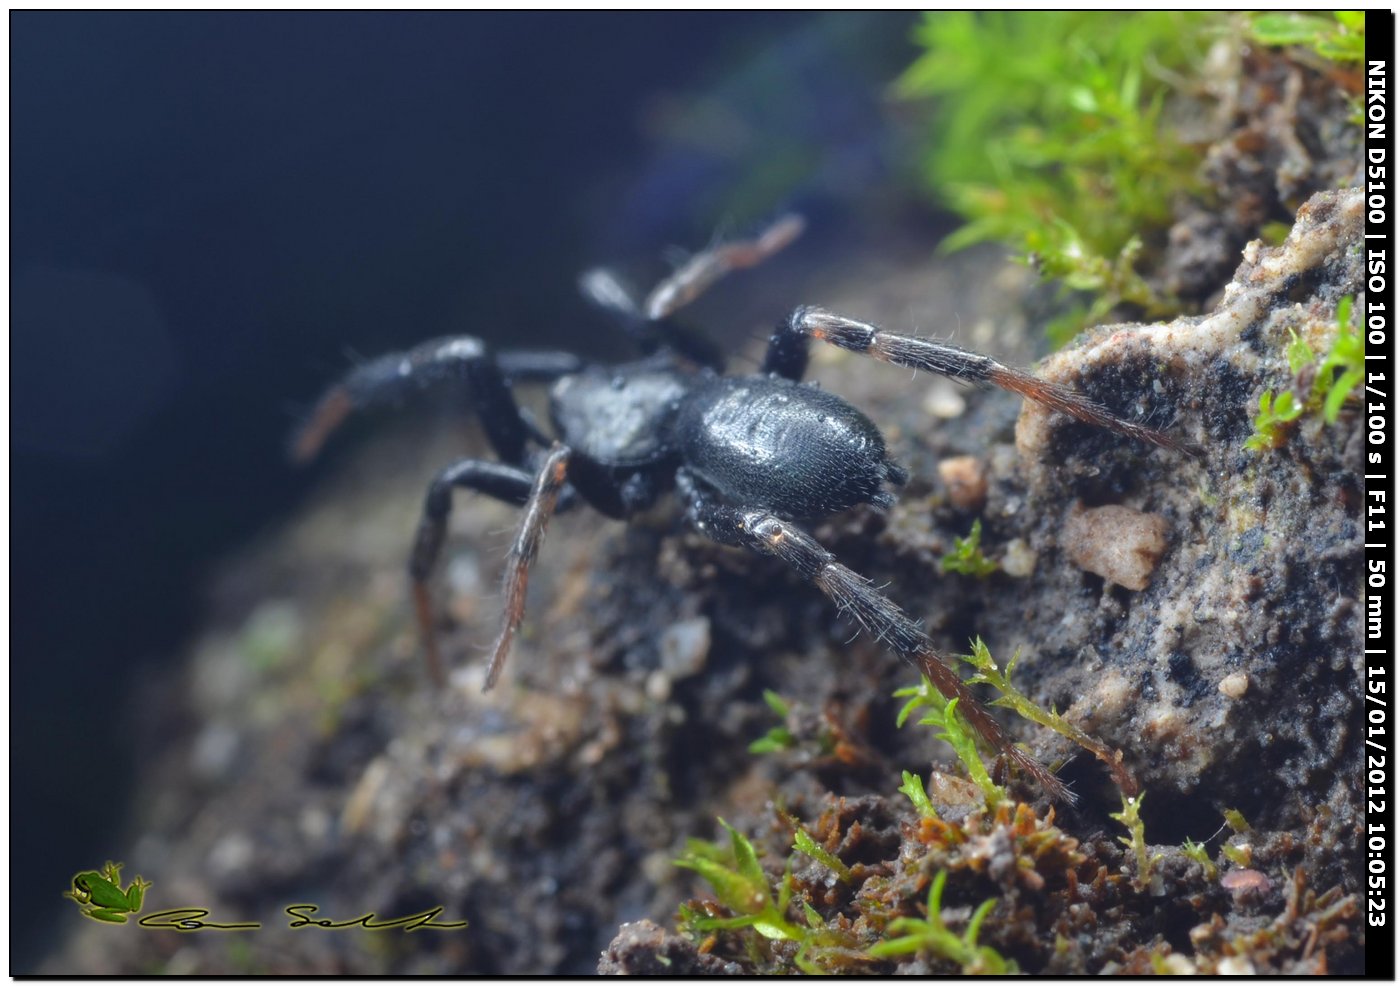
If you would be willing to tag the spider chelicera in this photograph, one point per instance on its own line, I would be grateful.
(751, 457)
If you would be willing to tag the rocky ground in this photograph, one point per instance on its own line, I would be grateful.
(1200, 615)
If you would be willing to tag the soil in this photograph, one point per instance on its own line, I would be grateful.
(310, 762)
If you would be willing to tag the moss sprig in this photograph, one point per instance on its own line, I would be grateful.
(778, 737)
(1131, 819)
(740, 884)
(967, 558)
(1011, 697)
(1334, 380)
(942, 714)
(1271, 423)
(932, 935)
(742, 887)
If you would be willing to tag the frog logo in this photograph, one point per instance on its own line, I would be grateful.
(99, 894)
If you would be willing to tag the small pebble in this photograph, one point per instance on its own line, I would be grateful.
(1121, 544)
(1234, 685)
(1241, 883)
(1018, 559)
(685, 647)
(943, 400)
(966, 479)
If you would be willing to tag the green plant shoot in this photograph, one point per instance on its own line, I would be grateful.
(967, 558)
(1344, 366)
(778, 737)
(1197, 851)
(1135, 840)
(1064, 150)
(943, 714)
(741, 885)
(933, 936)
(1011, 697)
(805, 844)
(913, 789)
(1274, 414)
(1340, 38)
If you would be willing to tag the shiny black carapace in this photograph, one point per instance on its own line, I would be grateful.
(751, 457)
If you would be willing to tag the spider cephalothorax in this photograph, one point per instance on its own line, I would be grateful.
(750, 456)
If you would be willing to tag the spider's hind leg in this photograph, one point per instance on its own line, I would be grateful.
(766, 534)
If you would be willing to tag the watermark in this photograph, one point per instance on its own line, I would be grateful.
(1378, 729)
(100, 897)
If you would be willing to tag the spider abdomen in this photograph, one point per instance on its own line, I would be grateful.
(794, 450)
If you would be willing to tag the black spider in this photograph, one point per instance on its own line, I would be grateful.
(750, 456)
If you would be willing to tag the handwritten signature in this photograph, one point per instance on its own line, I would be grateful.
(193, 919)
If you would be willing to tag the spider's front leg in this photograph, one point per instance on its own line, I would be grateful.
(462, 361)
(694, 278)
(766, 534)
(501, 481)
(545, 498)
(651, 324)
(787, 356)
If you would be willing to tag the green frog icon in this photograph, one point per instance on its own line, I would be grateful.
(100, 895)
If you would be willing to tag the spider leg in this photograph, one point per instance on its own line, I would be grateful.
(549, 484)
(766, 534)
(696, 276)
(511, 484)
(787, 350)
(651, 325)
(650, 335)
(457, 360)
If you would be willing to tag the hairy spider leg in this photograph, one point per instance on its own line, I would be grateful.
(766, 534)
(700, 272)
(602, 287)
(787, 356)
(544, 497)
(498, 480)
(463, 361)
(650, 324)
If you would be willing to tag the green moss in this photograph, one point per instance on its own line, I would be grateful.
(943, 714)
(1011, 697)
(1237, 821)
(1299, 353)
(1239, 856)
(933, 936)
(1344, 366)
(1334, 381)
(1269, 424)
(1338, 38)
(1197, 851)
(913, 789)
(805, 844)
(761, 910)
(1135, 840)
(1049, 135)
(740, 884)
(967, 558)
(778, 737)
(1339, 373)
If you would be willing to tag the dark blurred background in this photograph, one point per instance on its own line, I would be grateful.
(209, 210)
